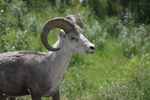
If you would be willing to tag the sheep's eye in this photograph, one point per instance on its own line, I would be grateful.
(73, 38)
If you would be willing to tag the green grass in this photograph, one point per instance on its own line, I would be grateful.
(108, 74)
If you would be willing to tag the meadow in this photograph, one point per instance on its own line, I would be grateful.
(118, 70)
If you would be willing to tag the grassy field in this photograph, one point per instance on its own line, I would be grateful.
(118, 70)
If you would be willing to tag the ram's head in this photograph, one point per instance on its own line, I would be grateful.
(72, 35)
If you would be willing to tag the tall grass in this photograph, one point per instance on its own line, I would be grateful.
(137, 85)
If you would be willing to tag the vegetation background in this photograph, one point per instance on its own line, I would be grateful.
(120, 29)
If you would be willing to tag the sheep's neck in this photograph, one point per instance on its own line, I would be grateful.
(60, 61)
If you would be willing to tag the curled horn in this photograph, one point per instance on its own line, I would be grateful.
(59, 22)
(75, 20)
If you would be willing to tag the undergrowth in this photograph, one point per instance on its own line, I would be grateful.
(137, 86)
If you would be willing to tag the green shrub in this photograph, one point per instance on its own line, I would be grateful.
(17, 42)
(3, 42)
(32, 25)
(132, 39)
(18, 9)
(20, 42)
(95, 33)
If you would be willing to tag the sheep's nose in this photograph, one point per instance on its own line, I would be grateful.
(92, 47)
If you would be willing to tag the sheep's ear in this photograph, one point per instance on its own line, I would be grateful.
(61, 34)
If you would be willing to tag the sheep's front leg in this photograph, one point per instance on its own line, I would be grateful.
(56, 96)
(35, 96)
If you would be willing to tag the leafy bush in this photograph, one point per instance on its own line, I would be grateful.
(25, 21)
(95, 33)
(19, 42)
(132, 40)
(31, 24)
(3, 42)
(18, 9)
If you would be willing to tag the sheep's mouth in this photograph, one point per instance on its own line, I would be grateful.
(89, 52)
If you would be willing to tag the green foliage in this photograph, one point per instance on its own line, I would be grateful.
(31, 24)
(18, 43)
(2, 19)
(139, 8)
(98, 7)
(103, 8)
(96, 34)
(132, 39)
(18, 10)
(75, 82)
(3, 42)
(137, 86)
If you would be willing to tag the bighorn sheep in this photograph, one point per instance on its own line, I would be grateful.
(40, 74)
